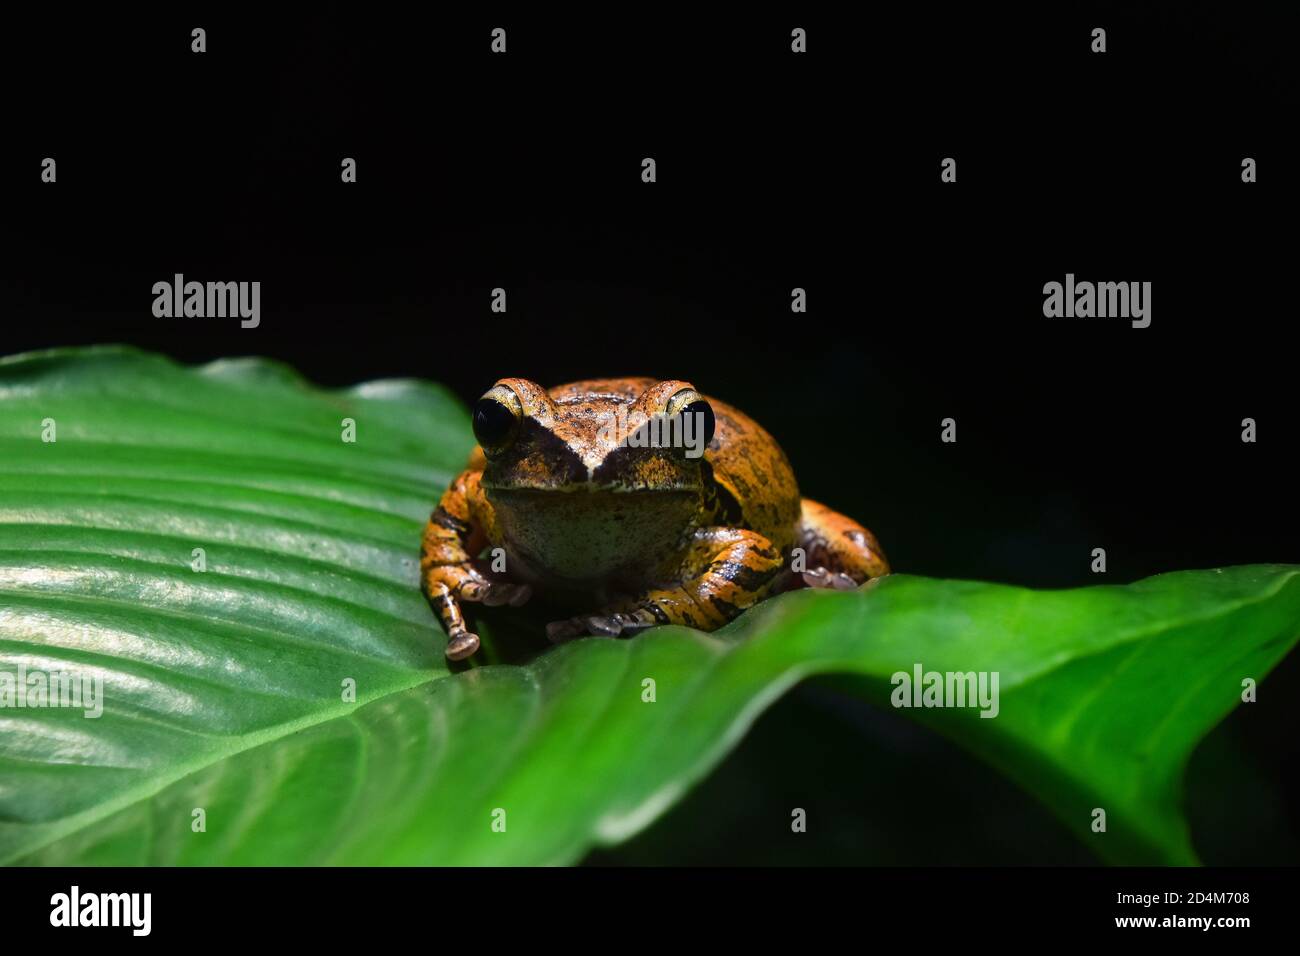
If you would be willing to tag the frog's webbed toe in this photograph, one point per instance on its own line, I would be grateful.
(600, 624)
(841, 553)
(497, 593)
(476, 582)
(822, 578)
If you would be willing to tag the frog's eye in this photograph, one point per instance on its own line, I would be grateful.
(703, 418)
(689, 403)
(494, 422)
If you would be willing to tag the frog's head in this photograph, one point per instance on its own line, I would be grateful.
(582, 476)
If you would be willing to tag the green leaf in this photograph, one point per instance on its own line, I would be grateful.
(223, 689)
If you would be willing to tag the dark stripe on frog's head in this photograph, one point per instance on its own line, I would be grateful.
(647, 469)
(537, 458)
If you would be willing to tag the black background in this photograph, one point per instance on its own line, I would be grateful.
(774, 171)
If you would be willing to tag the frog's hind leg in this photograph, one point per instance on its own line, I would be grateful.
(838, 552)
(727, 570)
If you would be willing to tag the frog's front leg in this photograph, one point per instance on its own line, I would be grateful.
(725, 571)
(449, 574)
(839, 552)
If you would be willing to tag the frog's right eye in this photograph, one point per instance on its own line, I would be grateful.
(494, 420)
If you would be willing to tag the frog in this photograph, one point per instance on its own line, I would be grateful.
(635, 502)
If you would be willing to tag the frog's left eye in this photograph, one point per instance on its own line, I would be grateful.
(690, 403)
(704, 420)
(494, 422)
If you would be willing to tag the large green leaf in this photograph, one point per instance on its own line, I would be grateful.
(224, 688)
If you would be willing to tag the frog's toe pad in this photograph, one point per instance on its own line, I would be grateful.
(462, 645)
(821, 578)
(503, 592)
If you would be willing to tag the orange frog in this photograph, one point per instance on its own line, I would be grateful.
(644, 499)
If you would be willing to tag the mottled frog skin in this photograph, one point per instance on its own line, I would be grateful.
(666, 532)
